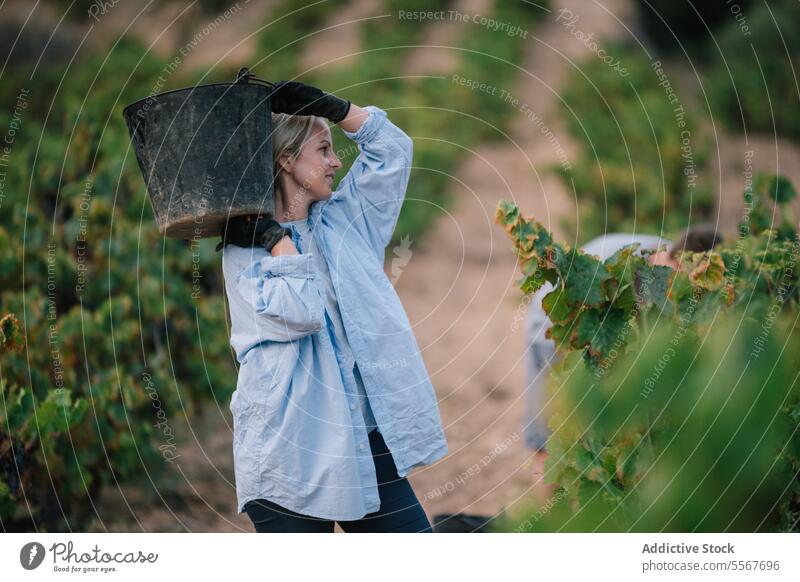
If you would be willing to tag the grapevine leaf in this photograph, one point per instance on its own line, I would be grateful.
(556, 307)
(708, 271)
(620, 264)
(558, 333)
(625, 299)
(553, 256)
(584, 280)
(532, 283)
(507, 214)
(588, 323)
(679, 286)
(529, 267)
(600, 330)
(653, 284)
(525, 234)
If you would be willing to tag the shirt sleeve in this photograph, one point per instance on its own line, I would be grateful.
(371, 194)
(283, 296)
(539, 355)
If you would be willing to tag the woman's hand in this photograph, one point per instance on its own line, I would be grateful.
(297, 98)
(253, 230)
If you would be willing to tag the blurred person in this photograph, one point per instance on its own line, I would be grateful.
(333, 404)
(540, 350)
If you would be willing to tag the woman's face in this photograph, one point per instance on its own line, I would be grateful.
(314, 168)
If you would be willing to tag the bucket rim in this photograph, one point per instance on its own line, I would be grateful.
(181, 90)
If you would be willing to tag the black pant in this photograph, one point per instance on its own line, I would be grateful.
(400, 510)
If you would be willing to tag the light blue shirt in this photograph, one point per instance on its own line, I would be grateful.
(333, 319)
(300, 439)
(542, 350)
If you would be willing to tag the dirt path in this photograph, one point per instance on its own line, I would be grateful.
(459, 287)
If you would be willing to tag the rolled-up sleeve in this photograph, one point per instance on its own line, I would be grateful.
(282, 292)
(372, 193)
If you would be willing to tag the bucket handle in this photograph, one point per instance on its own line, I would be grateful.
(245, 76)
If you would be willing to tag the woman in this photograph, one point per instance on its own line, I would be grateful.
(333, 404)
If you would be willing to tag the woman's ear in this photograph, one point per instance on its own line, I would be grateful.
(286, 163)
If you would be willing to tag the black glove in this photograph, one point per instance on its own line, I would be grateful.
(297, 98)
(250, 231)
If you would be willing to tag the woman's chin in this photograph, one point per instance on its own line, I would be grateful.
(321, 191)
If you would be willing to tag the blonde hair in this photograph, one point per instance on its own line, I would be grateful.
(289, 135)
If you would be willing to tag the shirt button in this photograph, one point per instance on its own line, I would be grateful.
(352, 407)
(361, 446)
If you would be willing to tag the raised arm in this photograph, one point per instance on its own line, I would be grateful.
(371, 195)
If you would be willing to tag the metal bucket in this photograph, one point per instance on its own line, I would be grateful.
(205, 154)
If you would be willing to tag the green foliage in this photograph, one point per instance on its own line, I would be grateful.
(641, 152)
(753, 84)
(705, 442)
(683, 28)
(678, 406)
(116, 319)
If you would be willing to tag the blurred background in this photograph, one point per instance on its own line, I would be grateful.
(593, 116)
